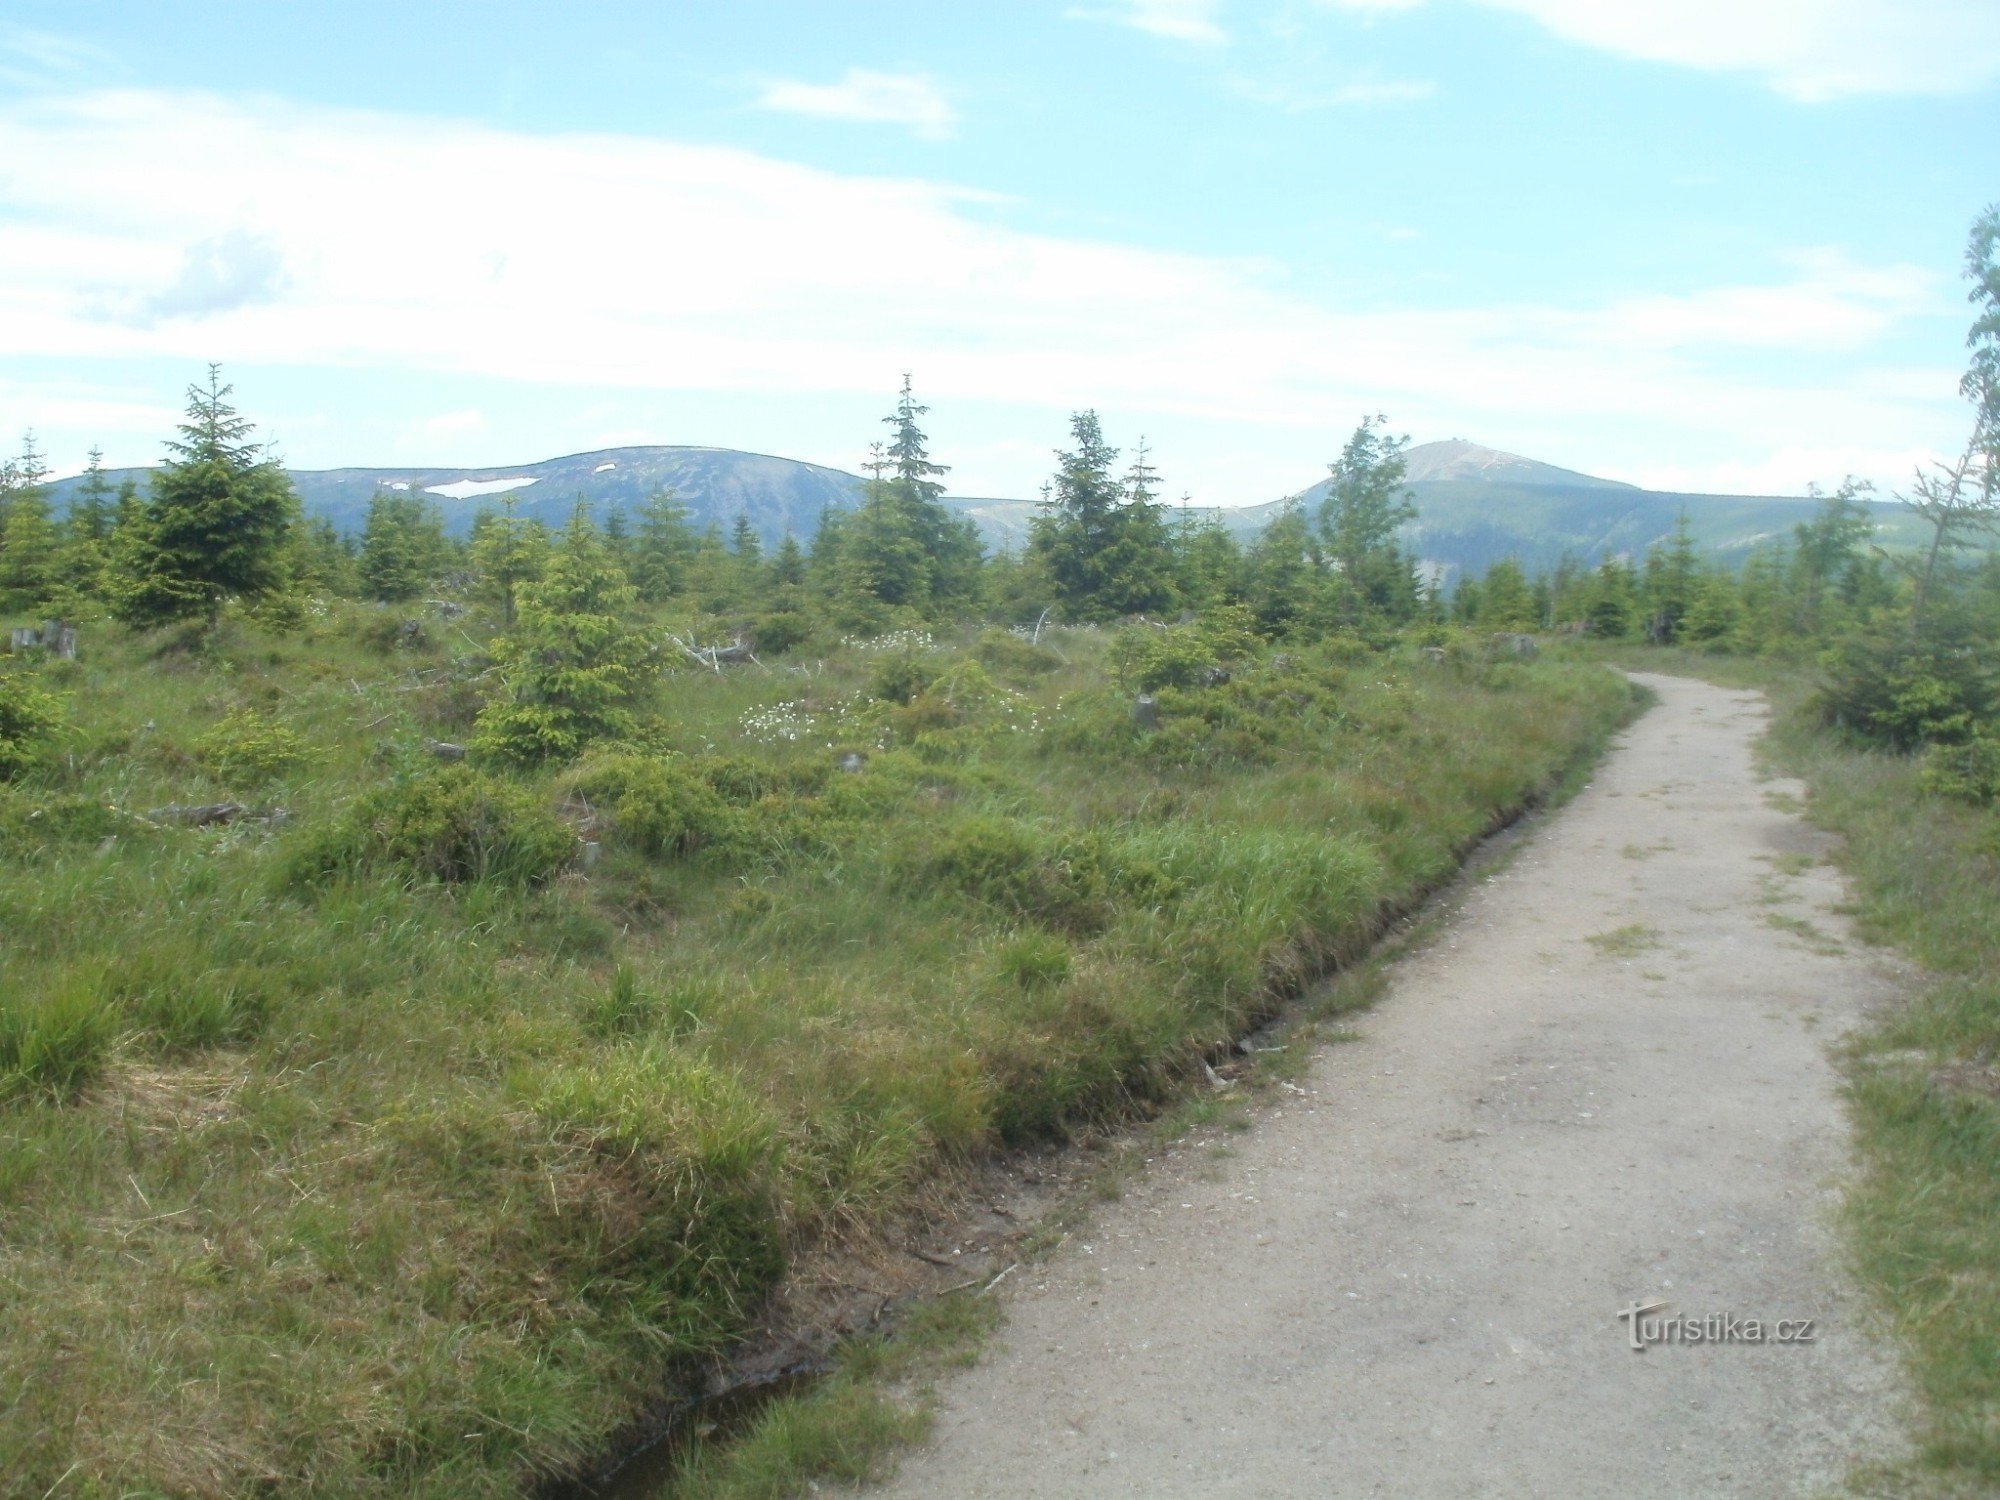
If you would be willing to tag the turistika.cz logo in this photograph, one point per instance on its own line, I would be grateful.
(1647, 1325)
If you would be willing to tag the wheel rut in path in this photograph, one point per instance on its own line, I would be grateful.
(1605, 1083)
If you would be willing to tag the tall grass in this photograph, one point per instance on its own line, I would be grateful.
(392, 1150)
(1925, 1087)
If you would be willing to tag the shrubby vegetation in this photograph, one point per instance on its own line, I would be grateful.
(623, 912)
(1903, 648)
(447, 984)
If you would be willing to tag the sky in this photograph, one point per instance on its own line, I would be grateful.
(1708, 245)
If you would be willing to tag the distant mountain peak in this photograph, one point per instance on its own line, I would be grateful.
(1457, 460)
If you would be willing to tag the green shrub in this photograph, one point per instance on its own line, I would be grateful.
(1150, 657)
(1199, 653)
(1969, 772)
(51, 1044)
(452, 823)
(781, 630)
(29, 719)
(660, 807)
(1013, 657)
(901, 676)
(385, 631)
(1903, 693)
(1070, 880)
(249, 749)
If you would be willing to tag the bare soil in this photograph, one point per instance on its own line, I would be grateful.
(1607, 1083)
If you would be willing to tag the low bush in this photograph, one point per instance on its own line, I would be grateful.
(1969, 772)
(901, 675)
(452, 824)
(1015, 657)
(29, 719)
(1905, 692)
(248, 749)
(665, 808)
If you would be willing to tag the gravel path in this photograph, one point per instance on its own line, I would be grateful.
(1606, 1083)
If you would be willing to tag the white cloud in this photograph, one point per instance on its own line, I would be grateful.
(453, 424)
(30, 58)
(233, 269)
(874, 98)
(1786, 470)
(736, 272)
(1834, 304)
(1810, 50)
(1178, 20)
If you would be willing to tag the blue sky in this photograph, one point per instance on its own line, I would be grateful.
(1704, 244)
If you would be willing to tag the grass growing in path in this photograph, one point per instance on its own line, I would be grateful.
(1923, 1217)
(1925, 1086)
(400, 1148)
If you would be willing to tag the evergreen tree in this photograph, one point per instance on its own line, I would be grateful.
(1826, 550)
(508, 552)
(572, 664)
(1465, 601)
(128, 512)
(1103, 545)
(1366, 506)
(403, 549)
(663, 546)
(903, 547)
(91, 512)
(882, 564)
(1609, 612)
(823, 556)
(1208, 563)
(324, 561)
(618, 537)
(216, 524)
(1140, 562)
(788, 620)
(1506, 601)
(1672, 574)
(1281, 572)
(788, 564)
(30, 544)
(1714, 611)
(20, 476)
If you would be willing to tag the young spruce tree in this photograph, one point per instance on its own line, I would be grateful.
(572, 664)
(216, 524)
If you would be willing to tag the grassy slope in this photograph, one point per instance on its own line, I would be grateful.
(1924, 1214)
(388, 1187)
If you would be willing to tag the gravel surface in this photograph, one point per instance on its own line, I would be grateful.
(1605, 1083)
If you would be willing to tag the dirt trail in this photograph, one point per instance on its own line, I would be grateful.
(1405, 1280)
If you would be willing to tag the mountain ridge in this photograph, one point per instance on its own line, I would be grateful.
(1475, 504)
